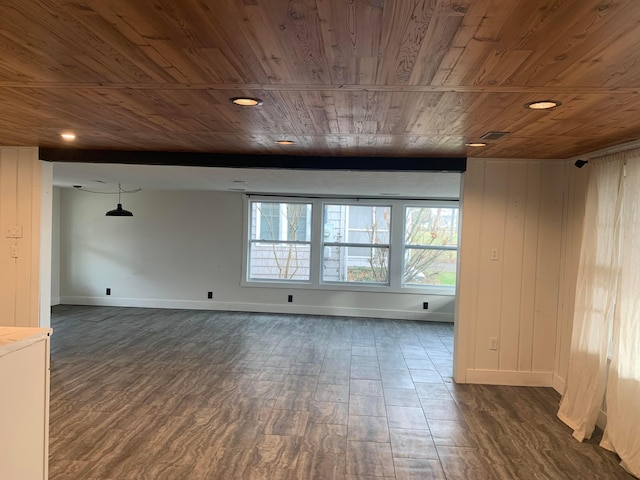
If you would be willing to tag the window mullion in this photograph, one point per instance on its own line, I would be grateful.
(317, 217)
(432, 247)
(396, 239)
(280, 242)
(363, 245)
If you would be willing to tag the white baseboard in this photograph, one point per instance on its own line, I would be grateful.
(601, 421)
(510, 377)
(55, 301)
(259, 307)
(558, 384)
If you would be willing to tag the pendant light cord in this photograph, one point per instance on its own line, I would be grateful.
(120, 190)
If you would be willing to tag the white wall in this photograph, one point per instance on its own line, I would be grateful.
(178, 246)
(518, 209)
(55, 248)
(21, 186)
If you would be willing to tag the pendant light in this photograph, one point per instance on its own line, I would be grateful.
(119, 211)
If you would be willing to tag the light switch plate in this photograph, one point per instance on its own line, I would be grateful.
(14, 231)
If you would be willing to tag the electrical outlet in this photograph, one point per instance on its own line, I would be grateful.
(108, 291)
(209, 295)
(425, 305)
(290, 299)
(494, 254)
(493, 343)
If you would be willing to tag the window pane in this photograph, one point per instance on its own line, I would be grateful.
(269, 220)
(357, 224)
(431, 226)
(359, 237)
(298, 219)
(281, 221)
(430, 267)
(279, 261)
(355, 264)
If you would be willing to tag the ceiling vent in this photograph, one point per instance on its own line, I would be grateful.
(493, 135)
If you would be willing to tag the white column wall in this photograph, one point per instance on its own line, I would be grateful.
(21, 185)
(517, 209)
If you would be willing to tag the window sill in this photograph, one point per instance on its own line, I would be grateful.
(350, 287)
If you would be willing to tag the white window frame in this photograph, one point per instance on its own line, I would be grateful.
(405, 247)
(283, 232)
(352, 203)
(316, 224)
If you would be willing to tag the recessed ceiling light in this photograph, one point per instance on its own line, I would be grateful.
(476, 144)
(542, 104)
(285, 142)
(68, 136)
(246, 101)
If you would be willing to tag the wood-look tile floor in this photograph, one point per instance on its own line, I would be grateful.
(175, 394)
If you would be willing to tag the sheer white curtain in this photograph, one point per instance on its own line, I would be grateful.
(595, 298)
(623, 387)
(607, 311)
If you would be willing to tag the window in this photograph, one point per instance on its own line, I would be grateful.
(356, 243)
(430, 246)
(280, 241)
(362, 245)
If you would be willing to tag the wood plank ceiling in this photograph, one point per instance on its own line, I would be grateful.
(412, 78)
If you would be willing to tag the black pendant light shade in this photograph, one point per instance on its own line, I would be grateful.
(119, 211)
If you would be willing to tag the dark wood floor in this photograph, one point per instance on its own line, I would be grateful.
(174, 394)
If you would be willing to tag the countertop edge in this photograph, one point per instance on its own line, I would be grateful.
(17, 338)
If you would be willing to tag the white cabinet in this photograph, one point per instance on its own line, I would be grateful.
(24, 403)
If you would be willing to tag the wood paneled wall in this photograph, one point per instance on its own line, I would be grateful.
(515, 208)
(20, 206)
(575, 196)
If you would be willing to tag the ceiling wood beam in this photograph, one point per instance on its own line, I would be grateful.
(294, 162)
(540, 89)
